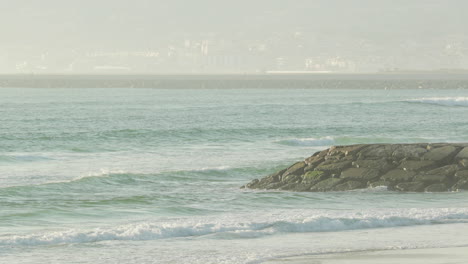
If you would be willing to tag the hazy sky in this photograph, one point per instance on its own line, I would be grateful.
(142, 24)
(89, 21)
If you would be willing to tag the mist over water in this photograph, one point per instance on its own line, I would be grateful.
(207, 36)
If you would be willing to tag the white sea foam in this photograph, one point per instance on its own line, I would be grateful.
(346, 140)
(381, 188)
(245, 226)
(216, 168)
(447, 101)
(323, 141)
(102, 173)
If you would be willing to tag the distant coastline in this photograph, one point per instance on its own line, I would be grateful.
(382, 80)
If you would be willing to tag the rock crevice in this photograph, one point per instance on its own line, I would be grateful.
(401, 167)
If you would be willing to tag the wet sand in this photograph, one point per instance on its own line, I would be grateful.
(456, 255)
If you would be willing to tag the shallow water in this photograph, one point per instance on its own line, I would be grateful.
(153, 175)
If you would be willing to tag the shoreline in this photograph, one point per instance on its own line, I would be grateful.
(450, 255)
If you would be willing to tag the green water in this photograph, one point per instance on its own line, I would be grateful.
(156, 173)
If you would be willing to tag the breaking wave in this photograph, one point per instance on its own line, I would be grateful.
(247, 226)
(324, 141)
(22, 158)
(347, 140)
(446, 101)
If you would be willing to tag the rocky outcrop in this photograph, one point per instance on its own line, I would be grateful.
(401, 167)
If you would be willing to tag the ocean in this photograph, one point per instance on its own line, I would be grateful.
(154, 175)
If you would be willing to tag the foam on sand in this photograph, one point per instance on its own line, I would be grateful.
(455, 255)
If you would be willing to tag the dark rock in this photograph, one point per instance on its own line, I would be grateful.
(252, 184)
(410, 187)
(408, 152)
(463, 163)
(438, 175)
(461, 185)
(360, 174)
(333, 167)
(403, 167)
(430, 178)
(447, 170)
(272, 186)
(441, 154)
(398, 175)
(334, 157)
(432, 146)
(313, 177)
(318, 154)
(268, 180)
(275, 177)
(292, 187)
(296, 169)
(438, 187)
(382, 164)
(346, 150)
(377, 151)
(349, 157)
(326, 185)
(463, 174)
(291, 178)
(416, 165)
(312, 163)
(463, 154)
(380, 183)
(350, 185)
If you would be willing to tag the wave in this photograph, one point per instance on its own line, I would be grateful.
(347, 140)
(106, 178)
(445, 101)
(247, 226)
(22, 158)
(324, 141)
(122, 176)
(107, 173)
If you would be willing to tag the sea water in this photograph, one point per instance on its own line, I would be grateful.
(153, 175)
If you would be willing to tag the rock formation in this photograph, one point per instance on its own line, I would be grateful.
(401, 167)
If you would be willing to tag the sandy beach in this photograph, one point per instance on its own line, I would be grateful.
(453, 255)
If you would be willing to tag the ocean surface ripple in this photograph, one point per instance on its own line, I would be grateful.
(138, 175)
